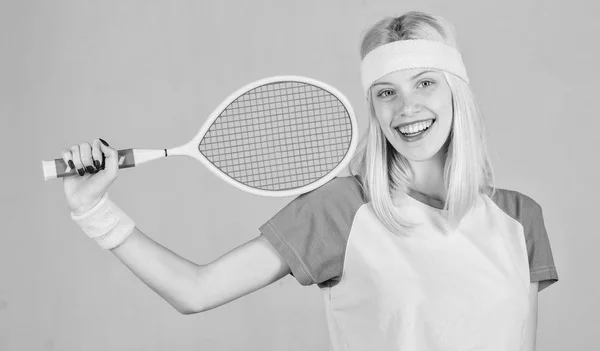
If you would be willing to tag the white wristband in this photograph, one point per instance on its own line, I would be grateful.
(106, 223)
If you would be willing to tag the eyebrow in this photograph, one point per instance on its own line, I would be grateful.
(412, 78)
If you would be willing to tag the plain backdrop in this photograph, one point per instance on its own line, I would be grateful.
(146, 74)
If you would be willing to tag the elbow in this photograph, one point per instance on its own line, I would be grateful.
(188, 309)
(184, 304)
(191, 306)
(194, 301)
(196, 308)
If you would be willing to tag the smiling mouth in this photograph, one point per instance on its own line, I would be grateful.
(415, 128)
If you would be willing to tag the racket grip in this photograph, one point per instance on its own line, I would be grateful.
(59, 169)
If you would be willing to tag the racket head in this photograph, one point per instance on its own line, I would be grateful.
(278, 136)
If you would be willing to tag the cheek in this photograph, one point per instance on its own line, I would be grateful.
(382, 115)
(445, 111)
(446, 115)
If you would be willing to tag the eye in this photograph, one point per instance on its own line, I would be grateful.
(426, 83)
(385, 93)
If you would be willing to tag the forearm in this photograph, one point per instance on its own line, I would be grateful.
(171, 276)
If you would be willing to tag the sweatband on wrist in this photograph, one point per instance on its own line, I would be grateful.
(408, 54)
(106, 223)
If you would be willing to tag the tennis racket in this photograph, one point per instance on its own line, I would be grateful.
(278, 136)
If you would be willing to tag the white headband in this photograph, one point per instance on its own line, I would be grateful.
(406, 54)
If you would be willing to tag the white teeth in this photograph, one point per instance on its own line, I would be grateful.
(416, 127)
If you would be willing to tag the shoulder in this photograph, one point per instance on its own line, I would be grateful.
(516, 204)
(340, 196)
(340, 191)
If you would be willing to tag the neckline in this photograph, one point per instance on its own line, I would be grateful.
(426, 200)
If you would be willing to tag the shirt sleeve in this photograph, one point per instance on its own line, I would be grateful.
(541, 261)
(311, 232)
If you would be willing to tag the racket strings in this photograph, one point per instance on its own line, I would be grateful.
(287, 122)
(279, 136)
(262, 175)
(283, 153)
(253, 139)
(268, 131)
(264, 168)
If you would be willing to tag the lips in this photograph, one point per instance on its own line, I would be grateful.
(416, 136)
(399, 126)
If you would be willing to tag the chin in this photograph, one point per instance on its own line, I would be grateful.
(420, 154)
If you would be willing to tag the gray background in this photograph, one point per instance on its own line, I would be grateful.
(146, 74)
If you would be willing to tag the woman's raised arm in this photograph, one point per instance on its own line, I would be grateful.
(187, 286)
(192, 288)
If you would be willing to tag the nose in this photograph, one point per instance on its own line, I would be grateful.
(408, 106)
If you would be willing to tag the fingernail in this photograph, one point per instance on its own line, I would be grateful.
(90, 169)
(103, 162)
(81, 171)
(103, 142)
(97, 164)
(71, 164)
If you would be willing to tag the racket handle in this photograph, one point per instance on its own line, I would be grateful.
(127, 158)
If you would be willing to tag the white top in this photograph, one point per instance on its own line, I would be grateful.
(443, 287)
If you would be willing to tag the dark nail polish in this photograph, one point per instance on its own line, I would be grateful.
(81, 171)
(97, 165)
(90, 169)
(103, 162)
(71, 164)
(103, 142)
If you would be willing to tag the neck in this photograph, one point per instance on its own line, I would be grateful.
(429, 176)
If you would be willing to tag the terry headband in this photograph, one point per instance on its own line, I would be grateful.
(407, 54)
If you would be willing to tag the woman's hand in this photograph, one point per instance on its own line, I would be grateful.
(97, 165)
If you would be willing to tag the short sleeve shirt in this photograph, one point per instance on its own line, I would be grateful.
(441, 286)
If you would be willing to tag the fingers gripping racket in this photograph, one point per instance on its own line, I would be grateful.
(279, 136)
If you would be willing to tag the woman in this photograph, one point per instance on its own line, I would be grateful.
(416, 251)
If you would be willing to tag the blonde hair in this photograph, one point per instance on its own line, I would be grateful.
(383, 171)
